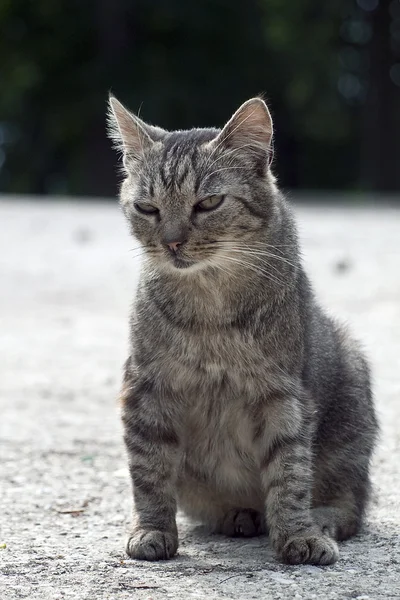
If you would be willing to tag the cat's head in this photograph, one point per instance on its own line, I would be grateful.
(195, 197)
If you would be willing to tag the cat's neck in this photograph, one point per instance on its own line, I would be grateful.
(213, 297)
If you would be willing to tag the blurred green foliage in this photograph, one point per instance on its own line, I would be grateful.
(329, 70)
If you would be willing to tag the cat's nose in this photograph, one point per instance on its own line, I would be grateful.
(174, 246)
(173, 238)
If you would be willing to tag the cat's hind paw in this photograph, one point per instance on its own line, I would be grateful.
(243, 522)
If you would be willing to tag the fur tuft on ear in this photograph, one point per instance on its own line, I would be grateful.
(130, 135)
(125, 130)
(249, 129)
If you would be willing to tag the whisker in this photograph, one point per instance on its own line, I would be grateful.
(262, 253)
(254, 268)
(215, 265)
(250, 250)
(140, 257)
(253, 243)
(264, 262)
(271, 255)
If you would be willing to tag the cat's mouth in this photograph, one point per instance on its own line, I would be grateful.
(182, 263)
(182, 260)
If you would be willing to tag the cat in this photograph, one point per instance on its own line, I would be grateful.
(243, 404)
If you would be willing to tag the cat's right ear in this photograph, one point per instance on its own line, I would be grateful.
(132, 136)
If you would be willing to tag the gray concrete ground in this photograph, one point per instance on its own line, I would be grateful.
(66, 282)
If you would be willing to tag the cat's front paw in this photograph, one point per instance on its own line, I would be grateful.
(145, 544)
(311, 549)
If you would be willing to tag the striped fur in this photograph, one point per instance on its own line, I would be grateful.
(242, 403)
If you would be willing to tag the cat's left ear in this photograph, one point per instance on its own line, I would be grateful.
(250, 129)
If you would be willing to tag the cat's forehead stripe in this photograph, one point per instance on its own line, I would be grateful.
(177, 160)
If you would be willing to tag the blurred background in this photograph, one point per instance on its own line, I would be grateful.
(329, 70)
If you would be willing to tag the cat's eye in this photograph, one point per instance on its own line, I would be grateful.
(147, 209)
(210, 203)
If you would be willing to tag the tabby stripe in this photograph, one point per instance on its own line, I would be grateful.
(252, 210)
(149, 472)
(183, 175)
(275, 450)
(152, 433)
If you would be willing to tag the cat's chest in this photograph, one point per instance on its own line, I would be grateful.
(219, 442)
(217, 364)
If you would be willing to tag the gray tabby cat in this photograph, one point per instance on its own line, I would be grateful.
(243, 403)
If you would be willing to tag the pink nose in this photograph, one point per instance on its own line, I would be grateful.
(174, 246)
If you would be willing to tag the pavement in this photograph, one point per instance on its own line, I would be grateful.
(67, 278)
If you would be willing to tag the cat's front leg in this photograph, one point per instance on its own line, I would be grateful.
(286, 475)
(152, 443)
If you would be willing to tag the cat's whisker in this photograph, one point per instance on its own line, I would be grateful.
(140, 256)
(269, 250)
(224, 269)
(255, 268)
(250, 249)
(272, 256)
(253, 243)
(261, 259)
(262, 247)
(260, 254)
(146, 253)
